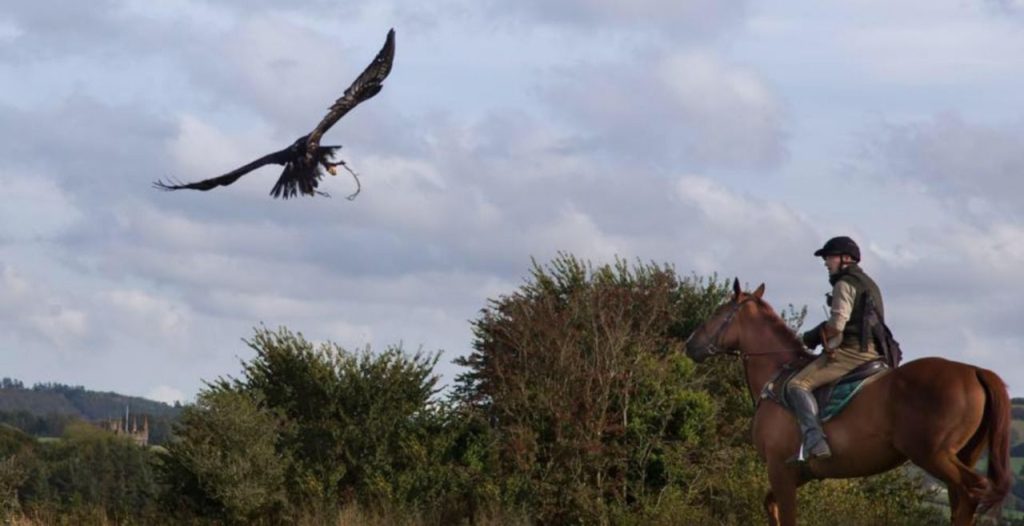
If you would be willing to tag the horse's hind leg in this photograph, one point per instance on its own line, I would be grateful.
(961, 506)
(963, 484)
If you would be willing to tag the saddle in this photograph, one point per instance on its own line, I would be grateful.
(831, 398)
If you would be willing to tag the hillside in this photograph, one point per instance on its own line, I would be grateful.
(50, 398)
(44, 409)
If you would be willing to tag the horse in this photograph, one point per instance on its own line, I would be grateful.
(936, 413)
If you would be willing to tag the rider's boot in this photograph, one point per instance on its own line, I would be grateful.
(806, 409)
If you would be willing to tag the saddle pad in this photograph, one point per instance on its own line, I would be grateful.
(831, 398)
(841, 395)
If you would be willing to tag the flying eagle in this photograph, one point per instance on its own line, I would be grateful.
(303, 159)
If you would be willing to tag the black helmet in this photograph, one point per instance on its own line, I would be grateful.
(838, 246)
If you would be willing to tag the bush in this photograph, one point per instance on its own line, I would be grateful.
(224, 463)
(329, 427)
(581, 374)
(577, 405)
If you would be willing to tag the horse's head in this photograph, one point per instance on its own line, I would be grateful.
(719, 334)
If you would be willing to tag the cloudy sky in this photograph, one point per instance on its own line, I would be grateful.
(719, 136)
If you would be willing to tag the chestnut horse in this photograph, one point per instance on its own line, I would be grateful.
(936, 413)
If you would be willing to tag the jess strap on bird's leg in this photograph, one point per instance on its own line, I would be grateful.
(343, 164)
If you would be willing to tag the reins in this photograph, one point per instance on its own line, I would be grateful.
(714, 349)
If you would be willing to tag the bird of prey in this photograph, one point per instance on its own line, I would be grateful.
(303, 159)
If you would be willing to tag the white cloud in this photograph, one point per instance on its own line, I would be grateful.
(201, 150)
(36, 208)
(166, 394)
(141, 308)
(285, 68)
(495, 140)
(727, 211)
(689, 16)
(934, 53)
(733, 113)
(974, 168)
(35, 312)
(687, 107)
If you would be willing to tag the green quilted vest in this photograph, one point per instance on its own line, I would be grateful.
(862, 284)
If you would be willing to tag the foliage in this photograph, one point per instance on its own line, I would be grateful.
(49, 425)
(600, 419)
(332, 427)
(88, 476)
(224, 462)
(582, 375)
(46, 408)
(577, 405)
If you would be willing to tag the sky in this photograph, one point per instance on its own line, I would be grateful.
(721, 137)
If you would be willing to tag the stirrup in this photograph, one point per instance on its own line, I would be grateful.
(803, 456)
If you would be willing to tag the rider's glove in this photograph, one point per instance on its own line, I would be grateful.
(812, 338)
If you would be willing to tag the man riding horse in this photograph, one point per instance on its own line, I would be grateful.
(939, 414)
(846, 346)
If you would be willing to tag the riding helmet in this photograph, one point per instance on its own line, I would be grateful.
(838, 246)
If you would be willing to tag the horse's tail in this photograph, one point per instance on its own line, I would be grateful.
(997, 419)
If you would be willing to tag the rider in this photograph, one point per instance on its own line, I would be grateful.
(845, 348)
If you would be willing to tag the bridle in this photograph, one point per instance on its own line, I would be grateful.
(712, 348)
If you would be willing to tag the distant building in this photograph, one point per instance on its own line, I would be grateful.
(128, 426)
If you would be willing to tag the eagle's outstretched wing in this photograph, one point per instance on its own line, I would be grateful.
(278, 157)
(366, 85)
(304, 158)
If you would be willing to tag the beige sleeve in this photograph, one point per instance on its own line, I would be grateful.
(843, 296)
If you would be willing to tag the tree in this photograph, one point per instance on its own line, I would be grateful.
(331, 427)
(581, 373)
(600, 418)
(224, 462)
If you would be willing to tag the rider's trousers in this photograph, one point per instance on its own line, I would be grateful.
(828, 368)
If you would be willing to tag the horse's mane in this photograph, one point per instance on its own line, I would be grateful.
(782, 330)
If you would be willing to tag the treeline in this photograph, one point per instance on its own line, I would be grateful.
(576, 406)
(61, 399)
(55, 425)
(46, 409)
(89, 476)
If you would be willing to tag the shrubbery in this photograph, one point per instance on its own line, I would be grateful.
(577, 406)
(88, 477)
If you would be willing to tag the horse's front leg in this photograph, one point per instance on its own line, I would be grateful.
(771, 508)
(780, 503)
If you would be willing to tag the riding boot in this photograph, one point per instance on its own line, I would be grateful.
(806, 409)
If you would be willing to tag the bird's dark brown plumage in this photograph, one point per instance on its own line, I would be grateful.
(304, 158)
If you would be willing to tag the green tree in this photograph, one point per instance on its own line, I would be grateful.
(582, 375)
(224, 462)
(600, 419)
(333, 427)
(17, 455)
(87, 477)
(354, 417)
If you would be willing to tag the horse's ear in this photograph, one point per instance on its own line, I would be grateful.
(736, 287)
(759, 292)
